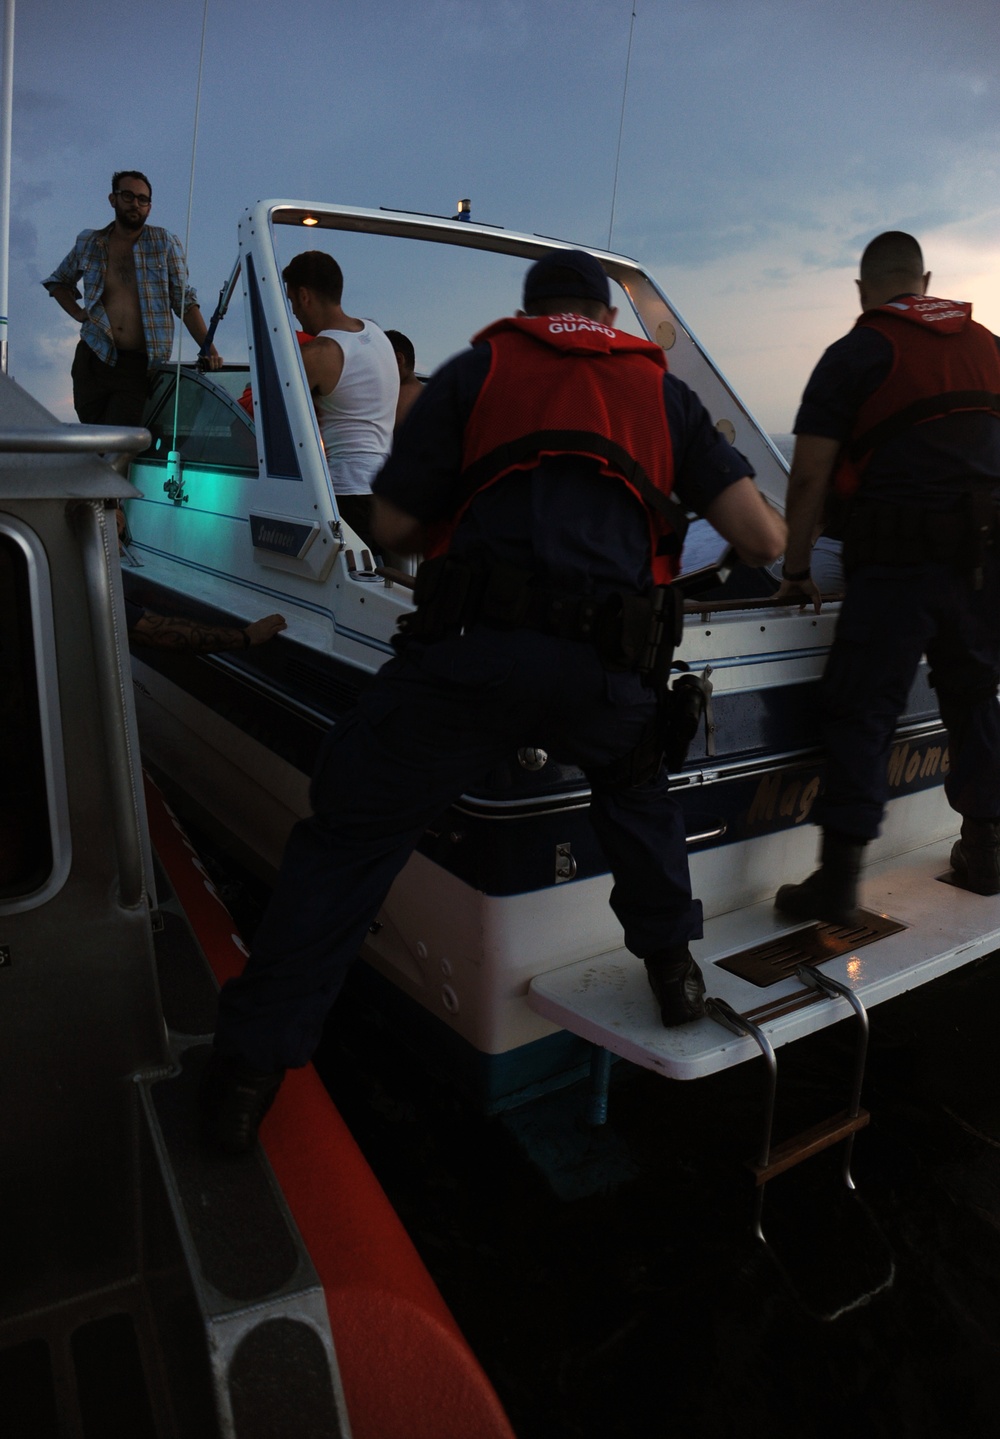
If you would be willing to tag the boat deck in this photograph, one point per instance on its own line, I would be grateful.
(938, 928)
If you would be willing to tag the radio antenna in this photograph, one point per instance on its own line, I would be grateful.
(621, 125)
(175, 485)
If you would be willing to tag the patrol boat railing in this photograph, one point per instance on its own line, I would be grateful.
(131, 1252)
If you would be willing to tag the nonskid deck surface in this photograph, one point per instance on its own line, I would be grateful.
(607, 1000)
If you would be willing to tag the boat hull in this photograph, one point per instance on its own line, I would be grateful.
(510, 883)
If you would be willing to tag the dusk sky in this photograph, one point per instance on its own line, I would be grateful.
(763, 145)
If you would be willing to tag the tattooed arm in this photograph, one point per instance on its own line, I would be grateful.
(171, 633)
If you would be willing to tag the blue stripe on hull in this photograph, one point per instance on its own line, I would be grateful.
(500, 839)
(515, 855)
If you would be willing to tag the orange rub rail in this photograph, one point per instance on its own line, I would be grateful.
(406, 1369)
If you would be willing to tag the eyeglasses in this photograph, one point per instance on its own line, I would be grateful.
(129, 196)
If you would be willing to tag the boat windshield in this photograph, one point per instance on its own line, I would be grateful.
(438, 295)
(211, 430)
(439, 283)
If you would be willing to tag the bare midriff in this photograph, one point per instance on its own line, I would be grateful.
(121, 296)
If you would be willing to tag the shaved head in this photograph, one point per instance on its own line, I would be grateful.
(892, 255)
(891, 265)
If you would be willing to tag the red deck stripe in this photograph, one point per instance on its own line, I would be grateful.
(407, 1371)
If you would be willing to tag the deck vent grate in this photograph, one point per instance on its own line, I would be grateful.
(778, 959)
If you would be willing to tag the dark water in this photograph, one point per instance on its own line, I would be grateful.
(607, 1280)
(785, 444)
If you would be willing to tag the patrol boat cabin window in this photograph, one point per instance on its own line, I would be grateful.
(25, 833)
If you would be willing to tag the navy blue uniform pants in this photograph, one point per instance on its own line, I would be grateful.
(890, 617)
(432, 723)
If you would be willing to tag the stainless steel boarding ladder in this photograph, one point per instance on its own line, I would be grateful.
(775, 1159)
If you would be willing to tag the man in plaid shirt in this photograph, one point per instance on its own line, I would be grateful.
(134, 279)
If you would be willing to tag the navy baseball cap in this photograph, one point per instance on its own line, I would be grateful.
(570, 273)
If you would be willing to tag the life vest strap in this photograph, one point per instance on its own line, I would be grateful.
(932, 407)
(528, 449)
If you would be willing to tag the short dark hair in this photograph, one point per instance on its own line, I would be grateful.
(892, 253)
(403, 346)
(315, 270)
(120, 175)
(568, 305)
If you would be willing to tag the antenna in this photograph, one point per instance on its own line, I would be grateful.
(174, 484)
(621, 125)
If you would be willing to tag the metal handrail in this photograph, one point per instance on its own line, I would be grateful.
(76, 439)
(114, 687)
(759, 602)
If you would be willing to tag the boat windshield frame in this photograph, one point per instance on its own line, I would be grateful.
(658, 317)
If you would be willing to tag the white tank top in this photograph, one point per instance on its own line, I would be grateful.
(356, 418)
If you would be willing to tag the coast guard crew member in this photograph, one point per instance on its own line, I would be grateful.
(902, 415)
(536, 472)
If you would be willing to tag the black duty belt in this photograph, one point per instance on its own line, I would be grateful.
(630, 631)
(887, 534)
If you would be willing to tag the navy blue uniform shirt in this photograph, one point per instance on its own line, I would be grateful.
(581, 530)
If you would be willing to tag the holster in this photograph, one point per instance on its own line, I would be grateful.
(689, 700)
(667, 737)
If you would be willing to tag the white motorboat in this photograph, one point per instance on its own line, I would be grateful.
(492, 936)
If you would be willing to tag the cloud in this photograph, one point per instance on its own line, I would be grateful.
(23, 238)
(763, 145)
(975, 85)
(47, 125)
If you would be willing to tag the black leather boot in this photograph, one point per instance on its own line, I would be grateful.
(676, 981)
(234, 1099)
(975, 857)
(831, 892)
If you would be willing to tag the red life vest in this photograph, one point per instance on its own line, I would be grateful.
(944, 362)
(566, 385)
(245, 400)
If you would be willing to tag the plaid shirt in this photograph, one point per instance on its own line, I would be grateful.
(161, 273)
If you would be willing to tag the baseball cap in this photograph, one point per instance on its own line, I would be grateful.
(572, 273)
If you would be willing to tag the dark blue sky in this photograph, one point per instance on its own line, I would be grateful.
(763, 145)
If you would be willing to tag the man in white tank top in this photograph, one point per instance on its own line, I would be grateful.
(354, 381)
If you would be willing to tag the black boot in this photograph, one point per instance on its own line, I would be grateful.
(234, 1099)
(831, 892)
(676, 981)
(975, 857)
